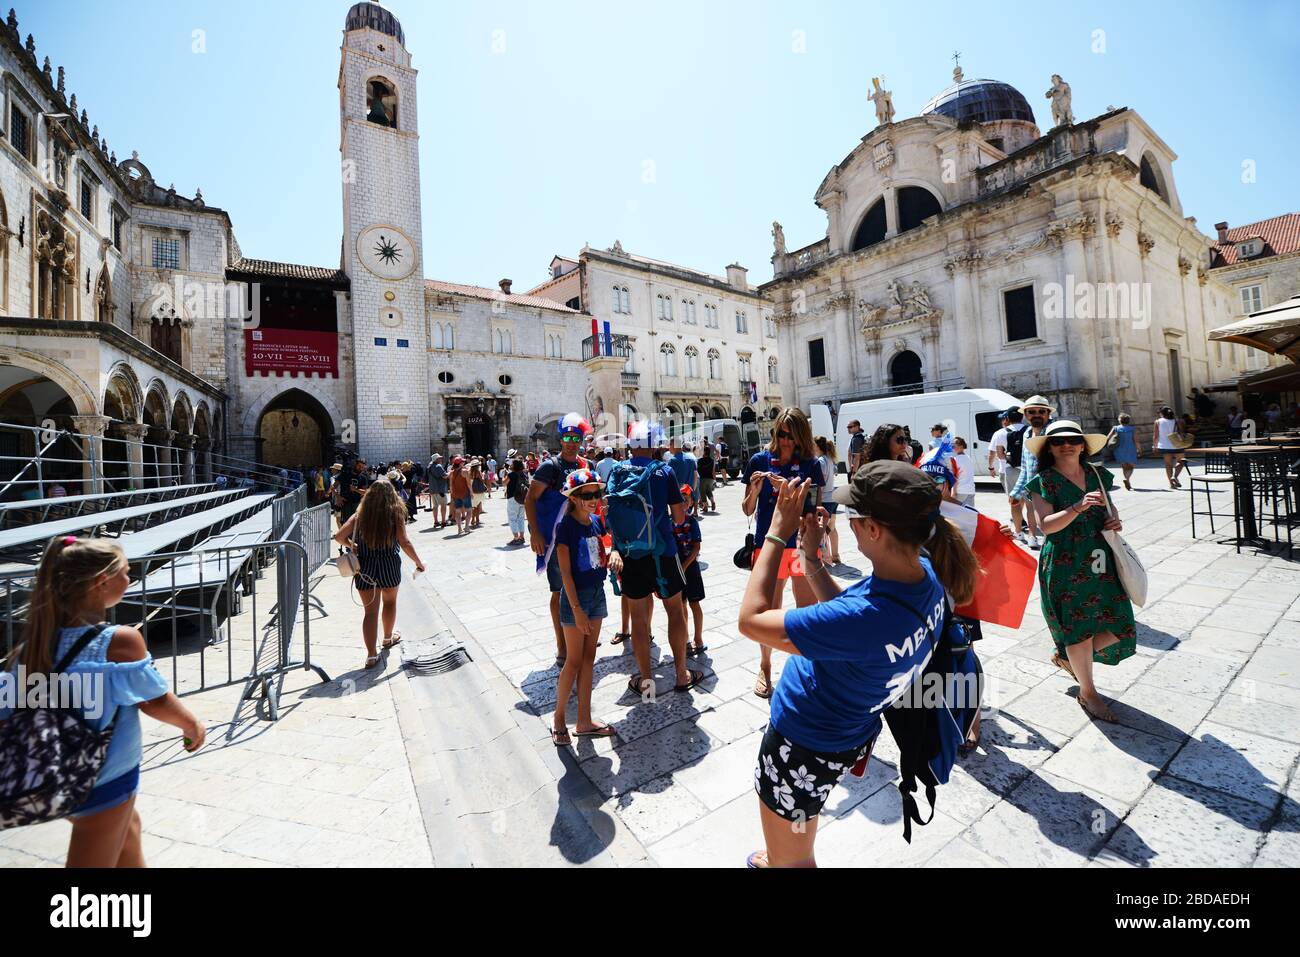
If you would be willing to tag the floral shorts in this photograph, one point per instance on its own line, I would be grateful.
(794, 782)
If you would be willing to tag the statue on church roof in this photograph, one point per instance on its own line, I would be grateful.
(778, 238)
(1059, 94)
(884, 101)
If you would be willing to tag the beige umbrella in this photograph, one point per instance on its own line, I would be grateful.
(1276, 330)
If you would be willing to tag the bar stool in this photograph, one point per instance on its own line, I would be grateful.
(1218, 471)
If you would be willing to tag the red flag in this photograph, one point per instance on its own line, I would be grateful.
(1007, 571)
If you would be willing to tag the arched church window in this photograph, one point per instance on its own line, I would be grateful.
(381, 103)
(915, 204)
(1149, 176)
(772, 375)
(873, 226)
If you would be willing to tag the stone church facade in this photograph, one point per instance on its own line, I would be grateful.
(966, 248)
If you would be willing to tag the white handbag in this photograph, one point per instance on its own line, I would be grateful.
(1128, 567)
(348, 565)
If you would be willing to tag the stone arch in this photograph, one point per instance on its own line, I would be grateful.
(382, 101)
(182, 419)
(124, 392)
(295, 429)
(905, 370)
(157, 408)
(871, 227)
(717, 412)
(1152, 176)
(916, 203)
(79, 392)
(253, 415)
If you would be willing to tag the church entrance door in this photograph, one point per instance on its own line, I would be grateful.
(478, 433)
(905, 373)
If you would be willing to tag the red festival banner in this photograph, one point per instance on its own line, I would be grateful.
(295, 351)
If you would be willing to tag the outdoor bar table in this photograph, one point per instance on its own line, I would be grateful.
(1245, 490)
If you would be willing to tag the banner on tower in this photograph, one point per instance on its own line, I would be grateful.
(297, 332)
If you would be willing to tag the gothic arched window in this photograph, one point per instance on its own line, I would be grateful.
(669, 358)
(381, 102)
(692, 362)
(715, 364)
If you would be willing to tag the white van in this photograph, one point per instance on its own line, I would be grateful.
(972, 414)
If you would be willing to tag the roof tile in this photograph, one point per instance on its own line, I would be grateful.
(1280, 235)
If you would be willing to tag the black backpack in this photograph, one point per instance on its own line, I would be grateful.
(930, 732)
(1015, 447)
(50, 757)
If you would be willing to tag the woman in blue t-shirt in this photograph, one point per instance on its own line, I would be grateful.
(856, 651)
(791, 456)
(1123, 441)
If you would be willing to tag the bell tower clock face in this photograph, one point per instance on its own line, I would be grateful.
(386, 251)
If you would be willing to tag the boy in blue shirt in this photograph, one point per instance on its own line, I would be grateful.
(689, 541)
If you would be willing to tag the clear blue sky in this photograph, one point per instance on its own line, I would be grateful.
(542, 147)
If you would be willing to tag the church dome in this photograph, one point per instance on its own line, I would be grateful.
(983, 101)
(372, 15)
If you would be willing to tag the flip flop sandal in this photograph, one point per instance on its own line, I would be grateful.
(634, 685)
(1064, 664)
(1094, 716)
(604, 731)
(757, 860)
(371, 661)
(559, 661)
(696, 678)
(620, 637)
(763, 686)
(396, 639)
(696, 652)
(560, 738)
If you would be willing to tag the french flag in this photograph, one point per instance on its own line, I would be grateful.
(1007, 572)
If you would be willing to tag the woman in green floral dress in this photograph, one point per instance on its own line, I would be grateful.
(1087, 610)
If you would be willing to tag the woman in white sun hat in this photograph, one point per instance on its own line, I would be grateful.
(1087, 610)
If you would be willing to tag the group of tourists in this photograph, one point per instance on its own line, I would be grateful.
(632, 520)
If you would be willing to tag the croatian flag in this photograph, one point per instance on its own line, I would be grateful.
(1007, 572)
(753, 391)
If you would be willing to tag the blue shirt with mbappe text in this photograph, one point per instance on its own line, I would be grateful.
(858, 653)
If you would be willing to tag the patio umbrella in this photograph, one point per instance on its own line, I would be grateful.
(1276, 329)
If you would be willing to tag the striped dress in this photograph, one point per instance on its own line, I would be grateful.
(382, 566)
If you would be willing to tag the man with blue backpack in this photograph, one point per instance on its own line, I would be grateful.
(643, 503)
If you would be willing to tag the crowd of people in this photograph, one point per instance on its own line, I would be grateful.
(628, 520)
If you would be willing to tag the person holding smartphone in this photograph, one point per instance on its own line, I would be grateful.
(790, 456)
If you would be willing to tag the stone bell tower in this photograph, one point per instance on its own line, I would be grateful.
(382, 240)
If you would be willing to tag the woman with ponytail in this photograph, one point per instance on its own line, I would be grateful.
(78, 580)
(852, 653)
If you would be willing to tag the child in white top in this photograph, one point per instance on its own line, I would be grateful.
(965, 490)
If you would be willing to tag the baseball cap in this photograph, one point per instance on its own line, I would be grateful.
(893, 493)
(609, 450)
(458, 460)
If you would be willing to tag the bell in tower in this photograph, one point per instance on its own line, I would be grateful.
(380, 96)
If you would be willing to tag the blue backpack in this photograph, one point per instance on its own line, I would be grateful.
(932, 719)
(630, 512)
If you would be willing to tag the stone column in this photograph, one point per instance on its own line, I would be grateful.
(606, 377)
(842, 330)
(873, 347)
(133, 434)
(891, 212)
(92, 466)
(185, 452)
(202, 464)
(163, 438)
(1080, 333)
(970, 360)
(930, 341)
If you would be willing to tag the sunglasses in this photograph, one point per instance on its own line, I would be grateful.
(588, 496)
(570, 438)
(784, 435)
(1058, 442)
(900, 439)
(1038, 412)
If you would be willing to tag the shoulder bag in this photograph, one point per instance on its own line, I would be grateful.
(1128, 567)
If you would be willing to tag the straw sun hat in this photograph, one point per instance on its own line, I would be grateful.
(1095, 441)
